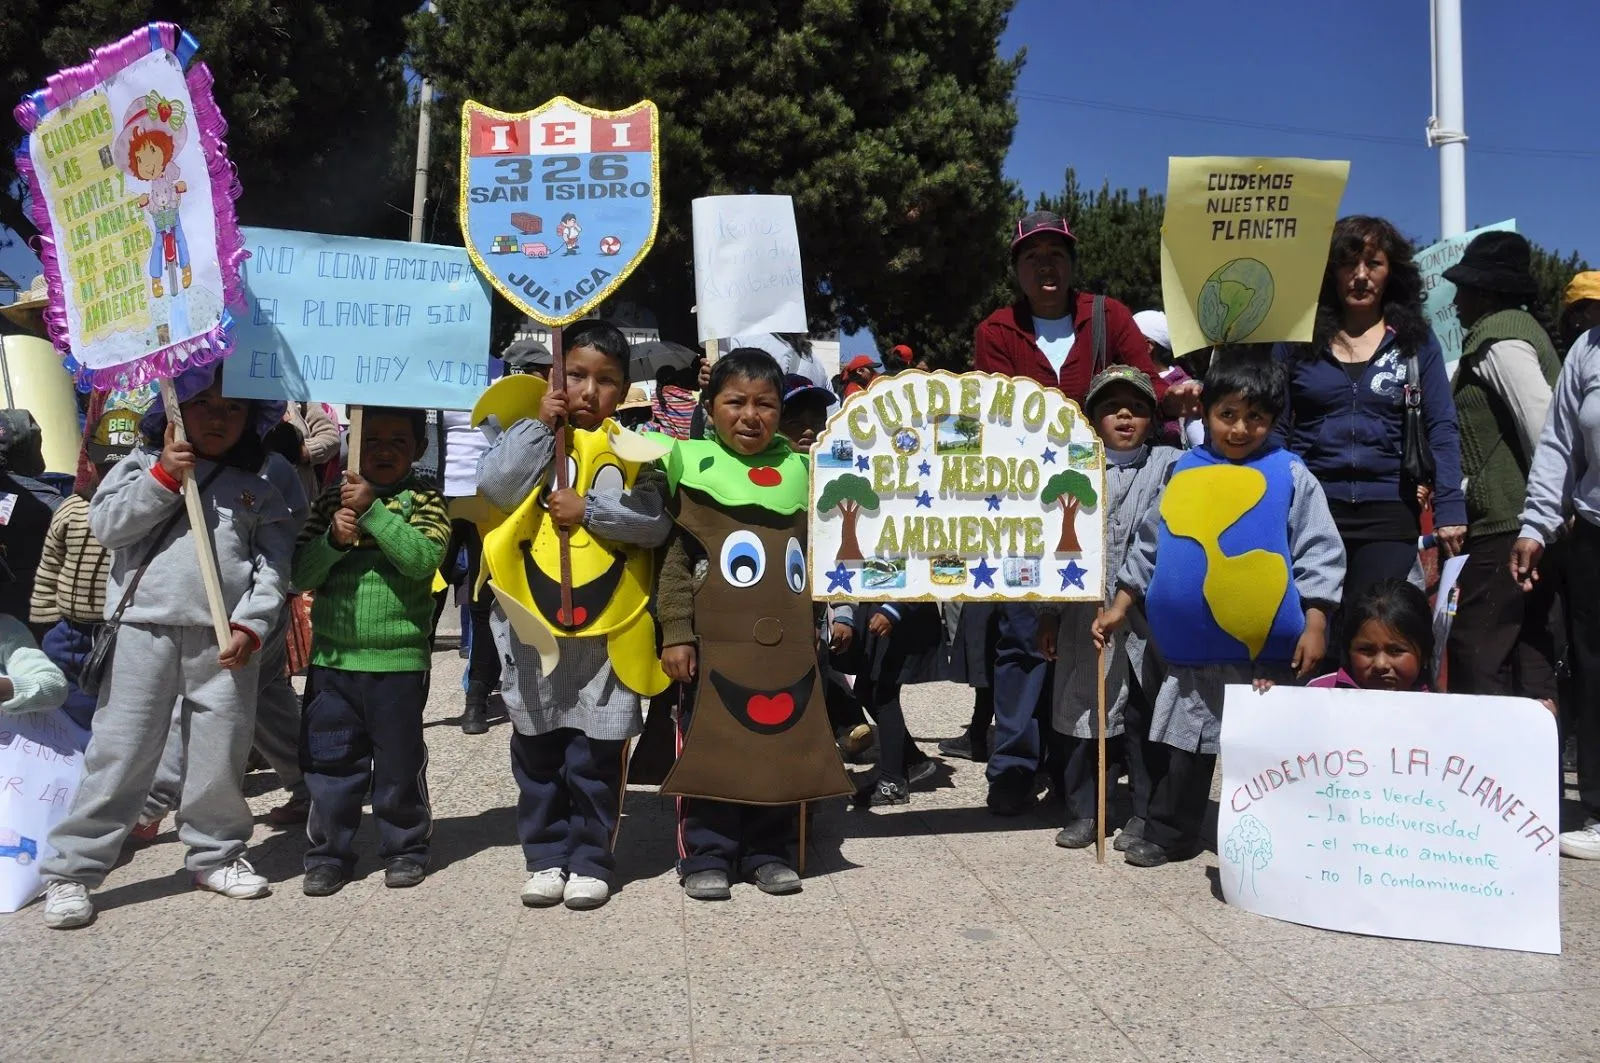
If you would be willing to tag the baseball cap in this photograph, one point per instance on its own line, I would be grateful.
(860, 361)
(797, 388)
(114, 437)
(1119, 374)
(1583, 286)
(1039, 223)
(902, 351)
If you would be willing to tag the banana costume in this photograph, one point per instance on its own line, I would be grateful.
(611, 582)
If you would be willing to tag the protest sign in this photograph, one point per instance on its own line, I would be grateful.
(1243, 246)
(1438, 294)
(937, 487)
(133, 195)
(560, 203)
(41, 765)
(1394, 814)
(747, 266)
(344, 319)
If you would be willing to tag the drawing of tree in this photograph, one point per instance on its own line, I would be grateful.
(968, 428)
(850, 494)
(1249, 846)
(1071, 490)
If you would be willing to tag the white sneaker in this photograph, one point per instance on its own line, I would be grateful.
(1582, 844)
(66, 905)
(584, 892)
(237, 880)
(545, 888)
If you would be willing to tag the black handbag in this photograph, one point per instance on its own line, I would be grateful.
(92, 673)
(1416, 455)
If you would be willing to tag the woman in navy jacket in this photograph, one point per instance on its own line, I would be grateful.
(1346, 411)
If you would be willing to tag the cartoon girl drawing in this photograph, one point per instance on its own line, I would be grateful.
(569, 230)
(154, 131)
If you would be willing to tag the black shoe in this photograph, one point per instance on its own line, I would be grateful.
(1009, 797)
(965, 748)
(324, 880)
(777, 879)
(921, 770)
(708, 886)
(403, 873)
(1142, 853)
(882, 792)
(475, 717)
(1079, 834)
(1132, 832)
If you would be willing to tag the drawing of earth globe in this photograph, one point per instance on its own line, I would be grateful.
(1234, 300)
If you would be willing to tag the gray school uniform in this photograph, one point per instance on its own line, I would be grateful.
(583, 693)
(166, 651)
(1131, 491)
(1187, 713)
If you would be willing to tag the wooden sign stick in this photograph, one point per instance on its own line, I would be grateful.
(1100, 758)
(207, 555)
(558, 381)
(352, 461)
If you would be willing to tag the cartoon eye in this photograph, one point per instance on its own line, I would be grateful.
(794, 566)
(572, 474)
(743, 559)
(607, 481)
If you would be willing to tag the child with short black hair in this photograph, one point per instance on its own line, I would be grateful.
(1238, 566)
(369, 551)
(1121, 404)
(570, 729)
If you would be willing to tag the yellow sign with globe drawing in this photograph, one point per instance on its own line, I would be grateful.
(1243, 246)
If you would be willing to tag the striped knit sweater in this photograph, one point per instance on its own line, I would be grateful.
(373, 609)
(71, 581)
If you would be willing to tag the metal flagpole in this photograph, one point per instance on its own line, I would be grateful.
(1447, 125)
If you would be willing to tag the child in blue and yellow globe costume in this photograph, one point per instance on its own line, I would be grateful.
(1239, 566)
(574, 677)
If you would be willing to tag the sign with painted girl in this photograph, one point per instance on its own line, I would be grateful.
(560, 203)
(937, 487)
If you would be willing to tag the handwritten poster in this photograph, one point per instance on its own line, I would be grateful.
(938, 487)
(560, 203)
(747, 266)
(343, 319)
(1438, 294)
(1398, 815)
(41, 765)
(1243, 246)
(128, 181)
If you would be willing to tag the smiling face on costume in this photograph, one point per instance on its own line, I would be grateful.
(596, 384)
(1122, 416)
(1044, 272)
(745, 414)
(1383, 659)
(214, 423)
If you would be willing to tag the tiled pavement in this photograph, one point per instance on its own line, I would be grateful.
(932, 932)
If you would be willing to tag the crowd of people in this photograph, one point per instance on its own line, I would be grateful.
(1324, 461)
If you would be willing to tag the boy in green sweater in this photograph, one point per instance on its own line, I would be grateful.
(370, 550)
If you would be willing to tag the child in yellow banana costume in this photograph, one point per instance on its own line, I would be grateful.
(574, 678)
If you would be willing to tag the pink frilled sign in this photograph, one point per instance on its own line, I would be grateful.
(130, 186)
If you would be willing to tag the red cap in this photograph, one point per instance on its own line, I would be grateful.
(860, 361)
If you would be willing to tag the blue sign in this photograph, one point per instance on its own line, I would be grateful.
(1438, 294)
(343, 319)
(558, 204)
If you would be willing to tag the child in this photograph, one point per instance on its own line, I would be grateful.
(370, 550)
(1388, 641)
(571, 728)
(731, 598)
(1121, 404)
(29, 681)
(1239, 566)
(899, 644)
(166, 648)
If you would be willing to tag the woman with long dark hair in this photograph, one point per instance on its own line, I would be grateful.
(1348, 392)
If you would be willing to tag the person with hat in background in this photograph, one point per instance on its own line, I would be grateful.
(1060, 336)
(1580, 309)
(27, 507)
(858, 374)
(1179, 430)
(1501, 641)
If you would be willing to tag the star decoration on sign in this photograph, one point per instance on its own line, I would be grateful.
(924, 469)
(1072, 576)
(839, 579)
(862, 463)
(925, 500)
(982, 574)
(994, 502)
(1049, 456)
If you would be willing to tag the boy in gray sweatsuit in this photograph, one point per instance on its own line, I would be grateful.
(166, 648)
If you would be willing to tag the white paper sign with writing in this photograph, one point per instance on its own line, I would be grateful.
(41, 765)
(747, 266)
(1394, 814)
(937, 487)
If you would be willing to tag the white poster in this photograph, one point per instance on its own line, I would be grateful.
(937, 487)
(41, 764)
(1398, 815)
(747, 266)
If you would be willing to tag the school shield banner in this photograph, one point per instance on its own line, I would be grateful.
(560, 203)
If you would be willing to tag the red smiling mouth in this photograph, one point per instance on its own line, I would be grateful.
(765, 711)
